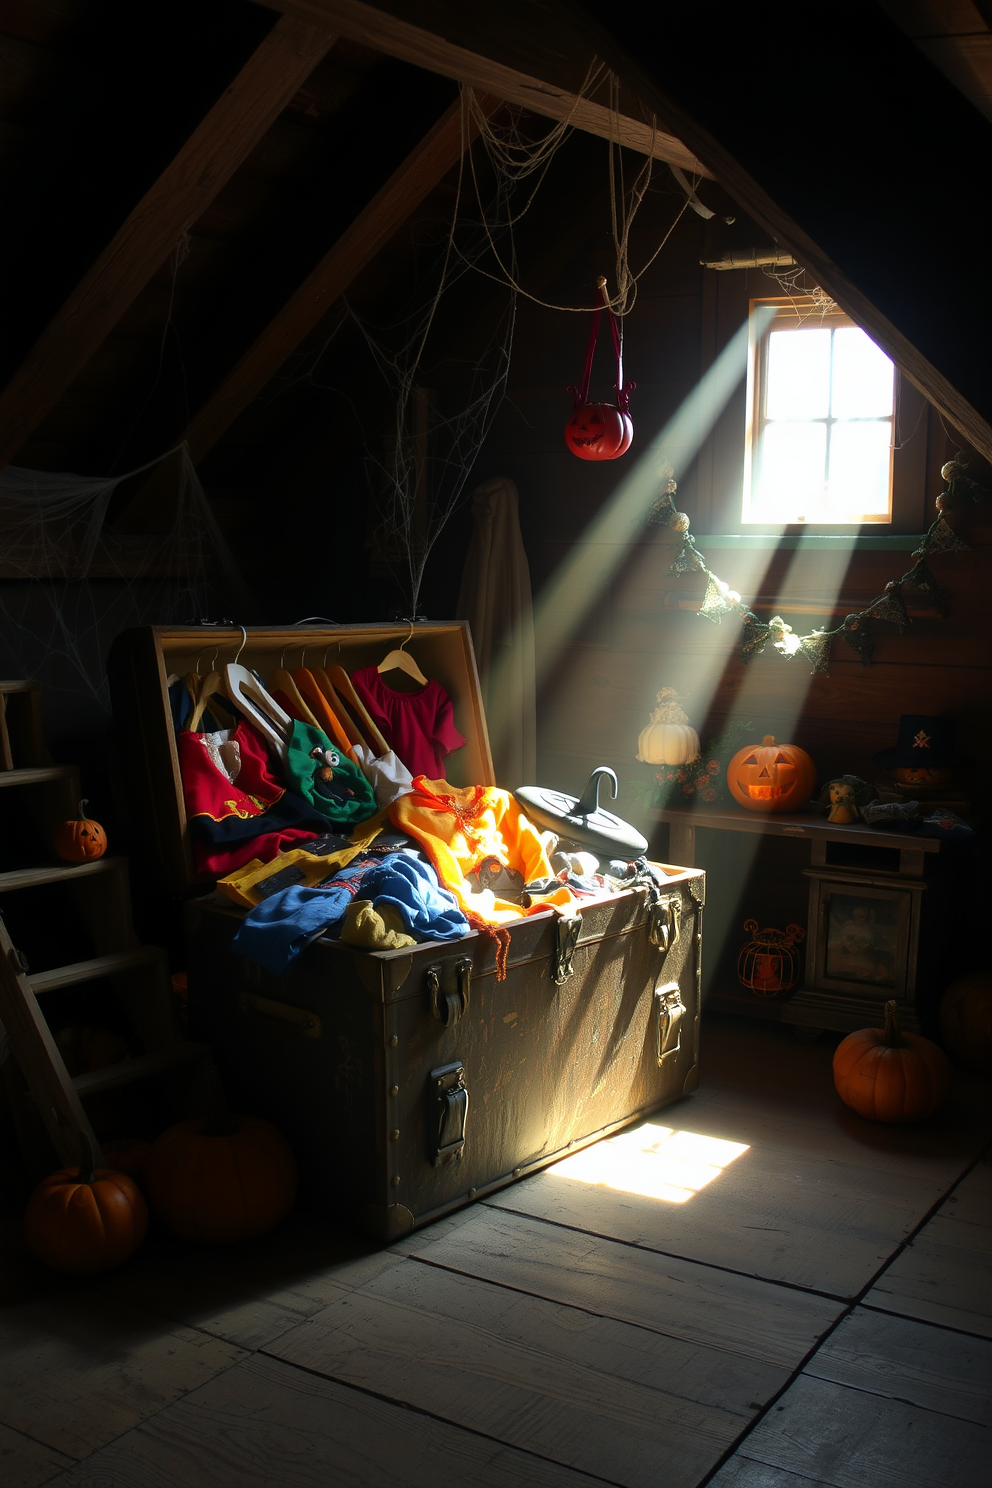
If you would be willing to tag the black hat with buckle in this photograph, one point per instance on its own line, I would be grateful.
(923, 741)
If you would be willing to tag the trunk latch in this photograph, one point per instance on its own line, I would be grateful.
(450, 1007)
(670, 1010)
(448, 1101)
(568, 936)
(664, 922)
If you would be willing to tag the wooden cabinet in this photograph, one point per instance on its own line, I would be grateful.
(858, 891)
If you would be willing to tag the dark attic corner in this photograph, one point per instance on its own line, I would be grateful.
(495, 520)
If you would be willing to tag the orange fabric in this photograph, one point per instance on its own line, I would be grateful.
(458, 828)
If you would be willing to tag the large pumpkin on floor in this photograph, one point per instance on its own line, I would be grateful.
(221, 1178)
(965, 1015)
(83, 1221)
(771, 777)
(888, 1075)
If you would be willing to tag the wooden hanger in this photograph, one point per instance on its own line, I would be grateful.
(207, 690)
(285, 682)
(329, 717)
(400, 659)
(341, 685)
(250, 698)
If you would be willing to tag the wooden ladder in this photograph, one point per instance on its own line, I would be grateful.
(138, 974)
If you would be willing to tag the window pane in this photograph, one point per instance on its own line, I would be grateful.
(859, 471)
(791, 479)
(863, 377)
(798, 374)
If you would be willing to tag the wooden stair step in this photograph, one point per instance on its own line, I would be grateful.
(141, 1067)
(26, 878)
(35, 775)
(97, 966)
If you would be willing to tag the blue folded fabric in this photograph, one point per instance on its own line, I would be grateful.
(275, 932)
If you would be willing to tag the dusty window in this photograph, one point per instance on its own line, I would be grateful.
(821, 412)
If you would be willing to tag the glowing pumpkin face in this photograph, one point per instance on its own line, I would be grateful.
(598, 431)
(771, 777)
(922, 774)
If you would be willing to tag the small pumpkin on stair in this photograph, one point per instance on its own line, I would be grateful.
(81, 839)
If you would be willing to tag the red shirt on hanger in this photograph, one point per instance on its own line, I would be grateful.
(419, 726)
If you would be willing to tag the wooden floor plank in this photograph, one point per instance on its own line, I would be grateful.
(679, 1298)
(250, 1293)
(821, 1199)
(971, 1201)
(844, 1438)
(796, 1224)
(742, 1472)
(909, 1361)
(601, 1396)
(264, 1424)
(25, 1463)
(77, 1369)
(939, 1280)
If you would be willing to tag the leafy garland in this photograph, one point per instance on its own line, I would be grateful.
(720, 600)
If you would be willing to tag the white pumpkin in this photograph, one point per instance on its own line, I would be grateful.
(668, 739)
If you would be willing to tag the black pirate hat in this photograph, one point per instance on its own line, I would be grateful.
(923, 740)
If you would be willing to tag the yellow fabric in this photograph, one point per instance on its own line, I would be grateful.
(458, 828)
(246, 885)
(374, 929)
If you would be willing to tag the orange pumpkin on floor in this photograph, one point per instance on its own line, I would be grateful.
(128, 1155)
(83, 1221)
(221, 1178)
(771, 777)
(888, 1075)
(965, 1016)
(79, 840)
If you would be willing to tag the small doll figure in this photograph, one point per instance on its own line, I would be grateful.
(845, 795)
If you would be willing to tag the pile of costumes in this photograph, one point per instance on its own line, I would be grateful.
(313, 837)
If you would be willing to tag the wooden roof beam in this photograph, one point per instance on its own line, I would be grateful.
(392, 205)
(500, 50)
(231, 130)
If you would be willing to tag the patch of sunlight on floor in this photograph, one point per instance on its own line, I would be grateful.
(656, 1162)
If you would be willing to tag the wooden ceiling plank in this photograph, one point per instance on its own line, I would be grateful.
(215, 149)
(420, 172)
(490, 70)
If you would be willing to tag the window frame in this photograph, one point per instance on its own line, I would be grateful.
(715, 486)
(799, 311)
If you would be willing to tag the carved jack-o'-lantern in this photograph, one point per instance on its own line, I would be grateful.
(771, 777)
(598, 431)
(926, 776)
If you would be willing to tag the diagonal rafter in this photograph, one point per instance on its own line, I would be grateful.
(225, 137)
(524, 54)
(392, 205)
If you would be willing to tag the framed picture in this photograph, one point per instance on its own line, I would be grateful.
(864, 936)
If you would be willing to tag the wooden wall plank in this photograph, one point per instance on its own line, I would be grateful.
(209, 158)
